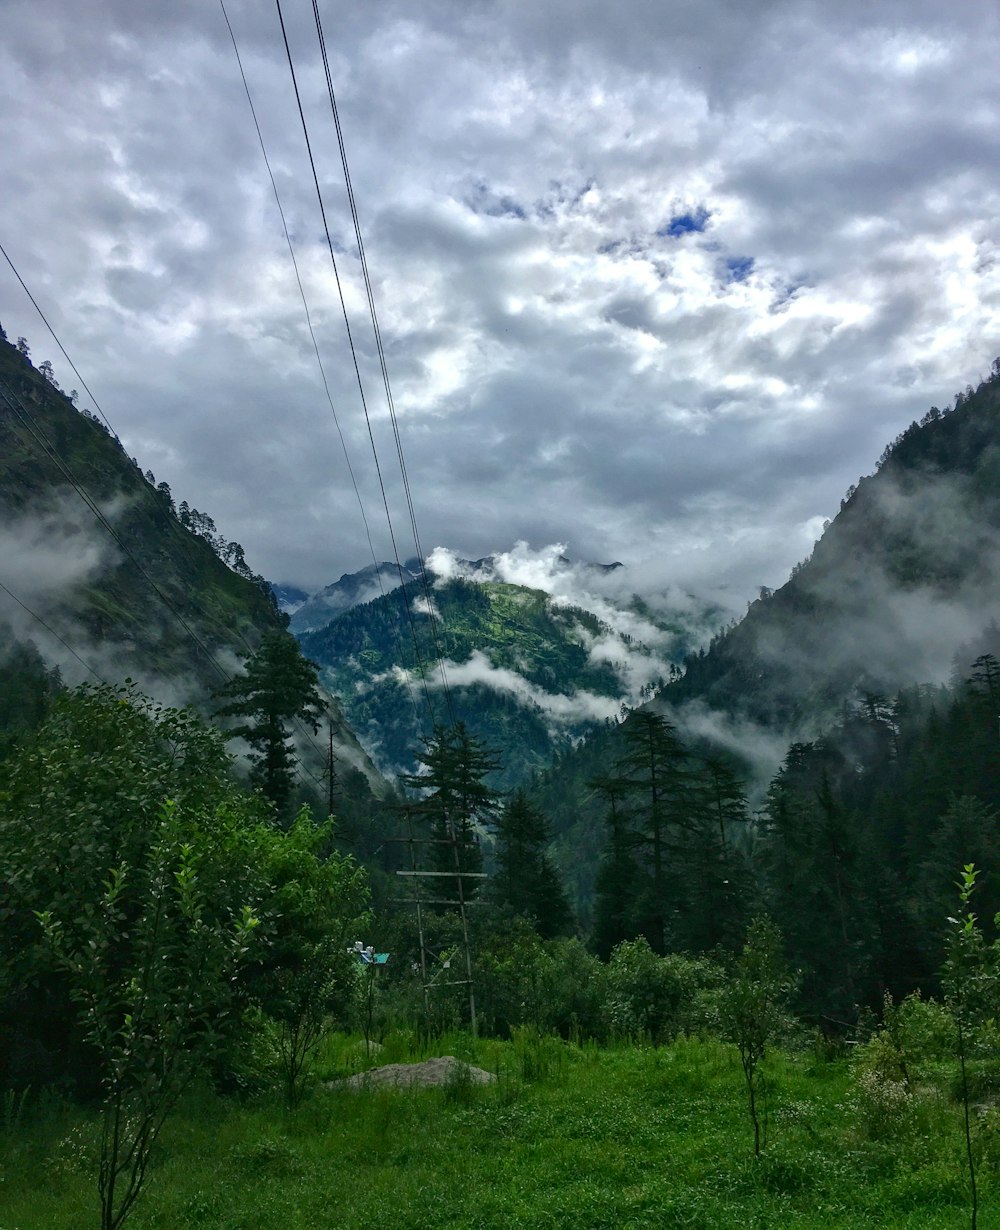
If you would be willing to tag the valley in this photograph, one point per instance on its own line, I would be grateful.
(639, 788)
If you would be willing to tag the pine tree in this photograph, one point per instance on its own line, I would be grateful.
(654, 772)
(525, 879)
(456, 803)
(278, 686)
(616, 886)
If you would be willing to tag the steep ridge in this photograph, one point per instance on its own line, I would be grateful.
(900, 580)
(351, 590)
(148, 598)
(903, 588)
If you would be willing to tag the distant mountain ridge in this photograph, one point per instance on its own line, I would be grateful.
(311, 612)
(528, 672)
(351, 590)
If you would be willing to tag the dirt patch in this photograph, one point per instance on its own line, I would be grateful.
(444, 1070)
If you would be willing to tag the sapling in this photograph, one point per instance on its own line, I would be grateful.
(965, 977)
(753, 1009)
(150, 968)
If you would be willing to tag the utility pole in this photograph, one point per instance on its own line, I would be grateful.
(460, 901)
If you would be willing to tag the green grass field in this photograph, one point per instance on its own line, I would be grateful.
(629, 1138)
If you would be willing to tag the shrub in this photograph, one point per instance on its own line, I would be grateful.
(653, 997)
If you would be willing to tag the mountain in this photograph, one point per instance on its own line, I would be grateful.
(353, 589)
(903, 588)
(104, 575)
(310, 612)
(527, 671)
(903, 577)
(289, 597)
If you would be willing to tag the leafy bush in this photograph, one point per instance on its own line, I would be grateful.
(655, 997)
(881, 1098)
(927, 1029)
(556, 986)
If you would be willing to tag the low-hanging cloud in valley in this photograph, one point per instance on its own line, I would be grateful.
(604, 589)
(51, 547)
(558, 709)
(637, 647)
(896, 591)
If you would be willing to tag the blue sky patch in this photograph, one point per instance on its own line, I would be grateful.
(739, 268)
(690, 223)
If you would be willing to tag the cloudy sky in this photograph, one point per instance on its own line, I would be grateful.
(656, 280)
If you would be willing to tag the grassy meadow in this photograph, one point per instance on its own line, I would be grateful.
(618, 1138)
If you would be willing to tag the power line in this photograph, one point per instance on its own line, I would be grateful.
(354, 357)
(23, 415)
(16, 404)
(86, 665)
(302, 294)
(76, 371)
(21, 412)
(308, 315)
(377, 334)
(58, 342)
(52, 632)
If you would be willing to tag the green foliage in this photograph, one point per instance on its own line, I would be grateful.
(27, 689)
(671, 869)
(134, 872)
(657, 998)
(525, 880)
(151, 966)
(970, 984)
(554, 986)
(456, 802)
(277, 687)
(302, 977)
(83, 797)
(884, 1071)
(754, 1009)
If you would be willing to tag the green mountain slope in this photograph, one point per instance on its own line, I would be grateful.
(901, 589)
(526, 674)
(141, 596)
(903, 576)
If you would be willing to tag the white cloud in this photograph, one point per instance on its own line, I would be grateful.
(46, 551)
(558, 709)
(565, 365)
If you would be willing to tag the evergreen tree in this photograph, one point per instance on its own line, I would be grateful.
(27, 689)
(278, 686)
(616, 886)
(654, 773)
(525, 879)
(457, 803)
(966, 833)
(810, 856)
(716, 888)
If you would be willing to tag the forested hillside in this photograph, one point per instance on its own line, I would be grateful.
(64, 479)
(902, 577)
(107, 577)
(521, 670)
(900, 593)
